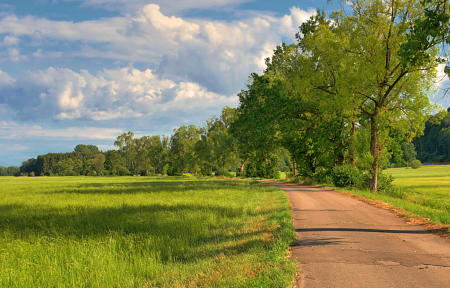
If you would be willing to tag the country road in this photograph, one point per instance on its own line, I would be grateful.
(343, 242)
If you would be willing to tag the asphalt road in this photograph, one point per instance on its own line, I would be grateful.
(343, 242)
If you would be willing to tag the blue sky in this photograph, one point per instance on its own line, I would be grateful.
(84, 71)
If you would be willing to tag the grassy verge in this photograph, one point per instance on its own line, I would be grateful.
(143, 232)
(425, 192)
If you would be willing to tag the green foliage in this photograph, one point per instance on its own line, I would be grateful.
(9, 171)
(434, 145)
(385, 183)
(323, 175)
(415, 164)
(346, 176)
(428, 30)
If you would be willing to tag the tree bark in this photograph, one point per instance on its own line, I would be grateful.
(294, 166)
(242, 168)
(375, 151)
(351, 146)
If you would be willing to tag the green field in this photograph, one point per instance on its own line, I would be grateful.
(143, 232)
(424, 192)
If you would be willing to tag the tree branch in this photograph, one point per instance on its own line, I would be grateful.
(368, 97)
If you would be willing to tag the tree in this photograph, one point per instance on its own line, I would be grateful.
(99, 162)
(390, 92)
(217, 147)
(182, 150)
(383, 90)
(28, 167)
(126, 146)
(115, 164)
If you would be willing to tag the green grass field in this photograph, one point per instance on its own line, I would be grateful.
(424, 192)
(143, 232)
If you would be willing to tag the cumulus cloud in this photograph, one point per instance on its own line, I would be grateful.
(217, 55)
(63, 94)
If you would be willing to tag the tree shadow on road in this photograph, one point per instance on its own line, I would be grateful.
(365, 230)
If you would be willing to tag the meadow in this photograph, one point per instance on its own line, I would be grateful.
(424, 191)
(143, 232)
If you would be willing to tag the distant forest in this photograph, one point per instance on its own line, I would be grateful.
(205, 151)
(196, 150)
(434, 145)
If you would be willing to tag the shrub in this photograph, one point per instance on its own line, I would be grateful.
(385, 183)
(221, 172)
(346, 176)
(415, 164)
(276, 174)
(322, 175)
(123, 171)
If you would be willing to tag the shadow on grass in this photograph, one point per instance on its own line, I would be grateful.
(150, 187)
(174, 232)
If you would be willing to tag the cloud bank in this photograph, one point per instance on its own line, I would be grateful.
(149, 70)
(198, 64)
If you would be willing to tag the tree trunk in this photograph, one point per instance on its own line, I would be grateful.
(351, 146)
(242, 168)
(295, 167)
(375, 151)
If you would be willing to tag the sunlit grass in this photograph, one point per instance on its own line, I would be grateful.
(143, 232)
(424, 192)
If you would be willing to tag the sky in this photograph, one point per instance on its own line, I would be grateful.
(85, 71)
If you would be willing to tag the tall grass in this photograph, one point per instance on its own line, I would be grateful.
(143, 232)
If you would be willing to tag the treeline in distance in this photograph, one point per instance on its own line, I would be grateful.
(349, 95)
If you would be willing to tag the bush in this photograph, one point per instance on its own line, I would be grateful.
(415, 164)
(346, 176)
(123, 171)
(303, 180)
(221, 172)
(276, 174)
(385, 183)
(322, 175)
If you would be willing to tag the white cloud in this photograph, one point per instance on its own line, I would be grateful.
(218, 55)
(13, 130)
(63, 94)
(200, 63)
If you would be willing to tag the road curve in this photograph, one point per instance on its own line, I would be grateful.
(343, 242)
